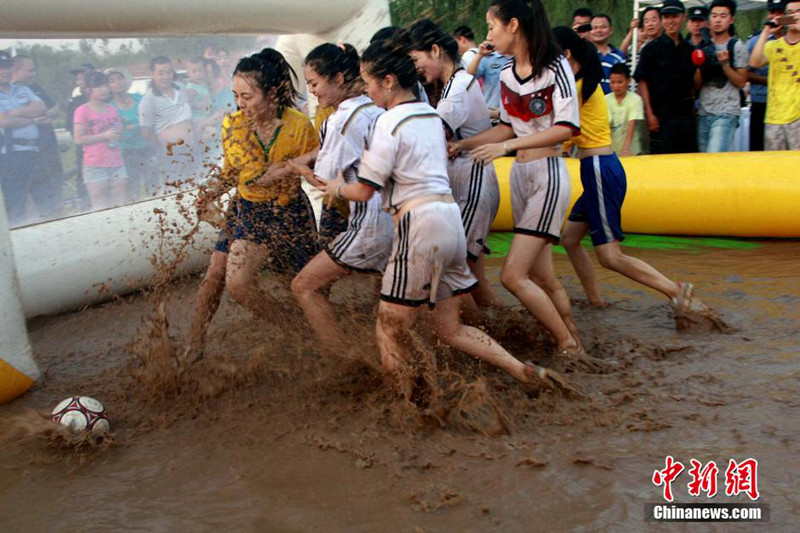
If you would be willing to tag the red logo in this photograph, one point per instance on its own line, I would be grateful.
(527, 106)
(742, 477)
(665, 477)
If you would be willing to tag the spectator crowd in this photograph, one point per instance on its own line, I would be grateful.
(128, 146)
(693, 78)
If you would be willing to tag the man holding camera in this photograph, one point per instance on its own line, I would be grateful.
(666, 78)
(724, 74)
(782, 122)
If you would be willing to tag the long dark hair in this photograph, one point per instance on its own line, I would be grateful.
(585, 54)
(386, 57)
(543, 50)
(424, 33)
(269, 69)
(328, 60)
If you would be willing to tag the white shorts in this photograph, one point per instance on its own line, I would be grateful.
(367, 242)
(540, 195)
(429, 252)
(478, 197)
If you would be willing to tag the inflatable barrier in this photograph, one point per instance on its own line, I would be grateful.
(18, 371)
(747, 194)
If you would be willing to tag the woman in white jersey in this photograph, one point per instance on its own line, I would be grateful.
(539, 112)
(463, 111)
(332, 73)
(406, 159)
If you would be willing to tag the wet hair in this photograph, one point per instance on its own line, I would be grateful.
(424, 33)
(385, 33)
(582, 12)
(270, 70)
(620, 68)
(543, 50)
(214, 67)
(388, 57)
(96, 79)
(328, 60)
(159, 60)
(603, 16)
(465, 32)
(730, 4)
(585, 54)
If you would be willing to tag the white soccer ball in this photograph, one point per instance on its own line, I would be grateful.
(81, 412)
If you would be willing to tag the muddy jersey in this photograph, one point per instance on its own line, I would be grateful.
(462, 107)
(533, 105)
(342, 138)
(406, 155)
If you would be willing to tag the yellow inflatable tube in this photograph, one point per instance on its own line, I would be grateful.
(740, 194)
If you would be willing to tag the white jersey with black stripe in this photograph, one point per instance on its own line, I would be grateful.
(463, 107)
(406, 155)
(533, 105)
(343, 137)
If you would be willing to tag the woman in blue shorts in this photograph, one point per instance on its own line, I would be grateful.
(598, 210)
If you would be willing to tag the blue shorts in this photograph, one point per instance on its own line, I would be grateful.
(600, 204)
(289, 231)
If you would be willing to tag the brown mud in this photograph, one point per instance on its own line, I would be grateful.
(265, 434)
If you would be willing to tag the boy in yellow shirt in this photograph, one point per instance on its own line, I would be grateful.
(625, 112)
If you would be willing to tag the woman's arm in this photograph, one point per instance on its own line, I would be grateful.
(497, 134)
(550, 137)
(84, 139)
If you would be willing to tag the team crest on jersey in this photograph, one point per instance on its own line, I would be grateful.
(527, 106)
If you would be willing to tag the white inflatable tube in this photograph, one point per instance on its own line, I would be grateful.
(67, 263)
(18, 371)
(81, 18)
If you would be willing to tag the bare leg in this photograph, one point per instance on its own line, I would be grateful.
(484, 295)
(571, 239)
(515, 277)
(245, 262)
(472, 341)
(394, 321)
(543, 274)
(118, 191)
(98, 194)
(320, 272)
(207, 303)
(611, 257)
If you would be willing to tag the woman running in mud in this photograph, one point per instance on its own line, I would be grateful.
(598, 210)
(332, 73)
(539, 112)
(270, 217)
(406, 160)
(463, 110)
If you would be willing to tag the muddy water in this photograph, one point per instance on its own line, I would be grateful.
(265, 435)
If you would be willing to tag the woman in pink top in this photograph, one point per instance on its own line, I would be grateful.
(98, 129)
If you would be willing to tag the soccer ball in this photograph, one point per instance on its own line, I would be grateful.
(81, 412)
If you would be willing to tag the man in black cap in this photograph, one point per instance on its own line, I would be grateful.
(19, 140)
(666, 78)
(758, 81)
(697, 20)
(74, 103)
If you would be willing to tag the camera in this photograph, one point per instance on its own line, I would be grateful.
(583, 28)
(712, 68)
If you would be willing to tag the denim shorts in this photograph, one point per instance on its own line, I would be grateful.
(99, 174)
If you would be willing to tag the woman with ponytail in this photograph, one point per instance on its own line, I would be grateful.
(598, 211)
(463, 111)
(406, 160)
(270, 217)
(333, 76)
(539, 112)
